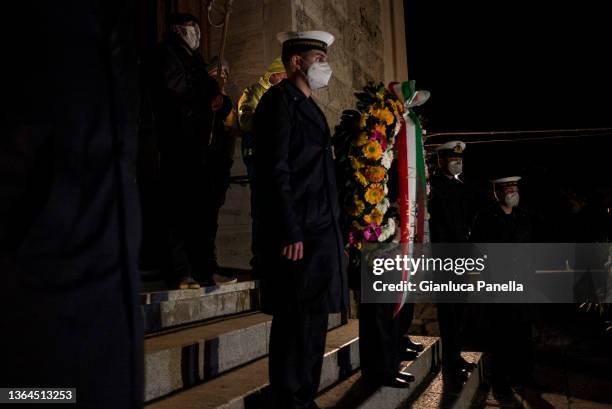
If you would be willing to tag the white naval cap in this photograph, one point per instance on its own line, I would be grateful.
(452, 148)
(305, 40)
(506, 181)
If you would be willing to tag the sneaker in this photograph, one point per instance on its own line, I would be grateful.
(220, 279)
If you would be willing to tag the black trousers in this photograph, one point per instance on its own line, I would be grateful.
(378, 341)
(193, 200)
(450, 317)
(511, 344)
(404, 323)
(297, 345)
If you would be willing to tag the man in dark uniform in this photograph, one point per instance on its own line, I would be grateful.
(510, 324)
(302, 258)
(69, 227)
(451, 208)
(246, 111)
(185, 99)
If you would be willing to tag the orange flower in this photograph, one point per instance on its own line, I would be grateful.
(375, 193)
(372, 150)
(381, 128)
(375, 217)
(375, 174)
(383, 115)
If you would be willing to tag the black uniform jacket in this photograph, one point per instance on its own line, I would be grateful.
(296, 191)
(492, 225)
(452, 207)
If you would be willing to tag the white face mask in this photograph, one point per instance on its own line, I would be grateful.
(512, 199)
(318, 75)
(455, 167)
(191, 35)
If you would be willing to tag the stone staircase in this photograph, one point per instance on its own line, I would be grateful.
(207, 349)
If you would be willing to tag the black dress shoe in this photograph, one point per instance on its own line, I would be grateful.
(415, 346)
(407, 376)
(395, 383)
(408, 355)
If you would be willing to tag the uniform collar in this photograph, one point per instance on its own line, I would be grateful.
(294, 91)
(310, 110)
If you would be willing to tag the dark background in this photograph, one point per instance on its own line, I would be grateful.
(511, 65)
(522, 66)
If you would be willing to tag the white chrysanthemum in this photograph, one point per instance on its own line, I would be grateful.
(387, 230)
(386, 189)
(398, 126)
(383, 206)
(387, 158)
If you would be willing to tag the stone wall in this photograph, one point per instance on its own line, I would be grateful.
(357, 53)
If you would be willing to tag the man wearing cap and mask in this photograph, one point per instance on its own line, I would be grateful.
(246, 110)
(452, 209)
(504, 222)
(301, 251)
(185, 97)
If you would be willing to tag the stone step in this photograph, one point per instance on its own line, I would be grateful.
(184, 358)
(157, 292)
(442, 395)
(247, 387)
(354, 393)
(169, 308)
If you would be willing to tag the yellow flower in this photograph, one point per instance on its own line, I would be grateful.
(375, 174)
(375, 216)
(384, 115)
(372, 150)
(361, 179)
(356, 163)
(380, 128)
(375, 193)
(398, 107)
(357, 208)
(364, 120)
(362, 139)
(381, 95)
